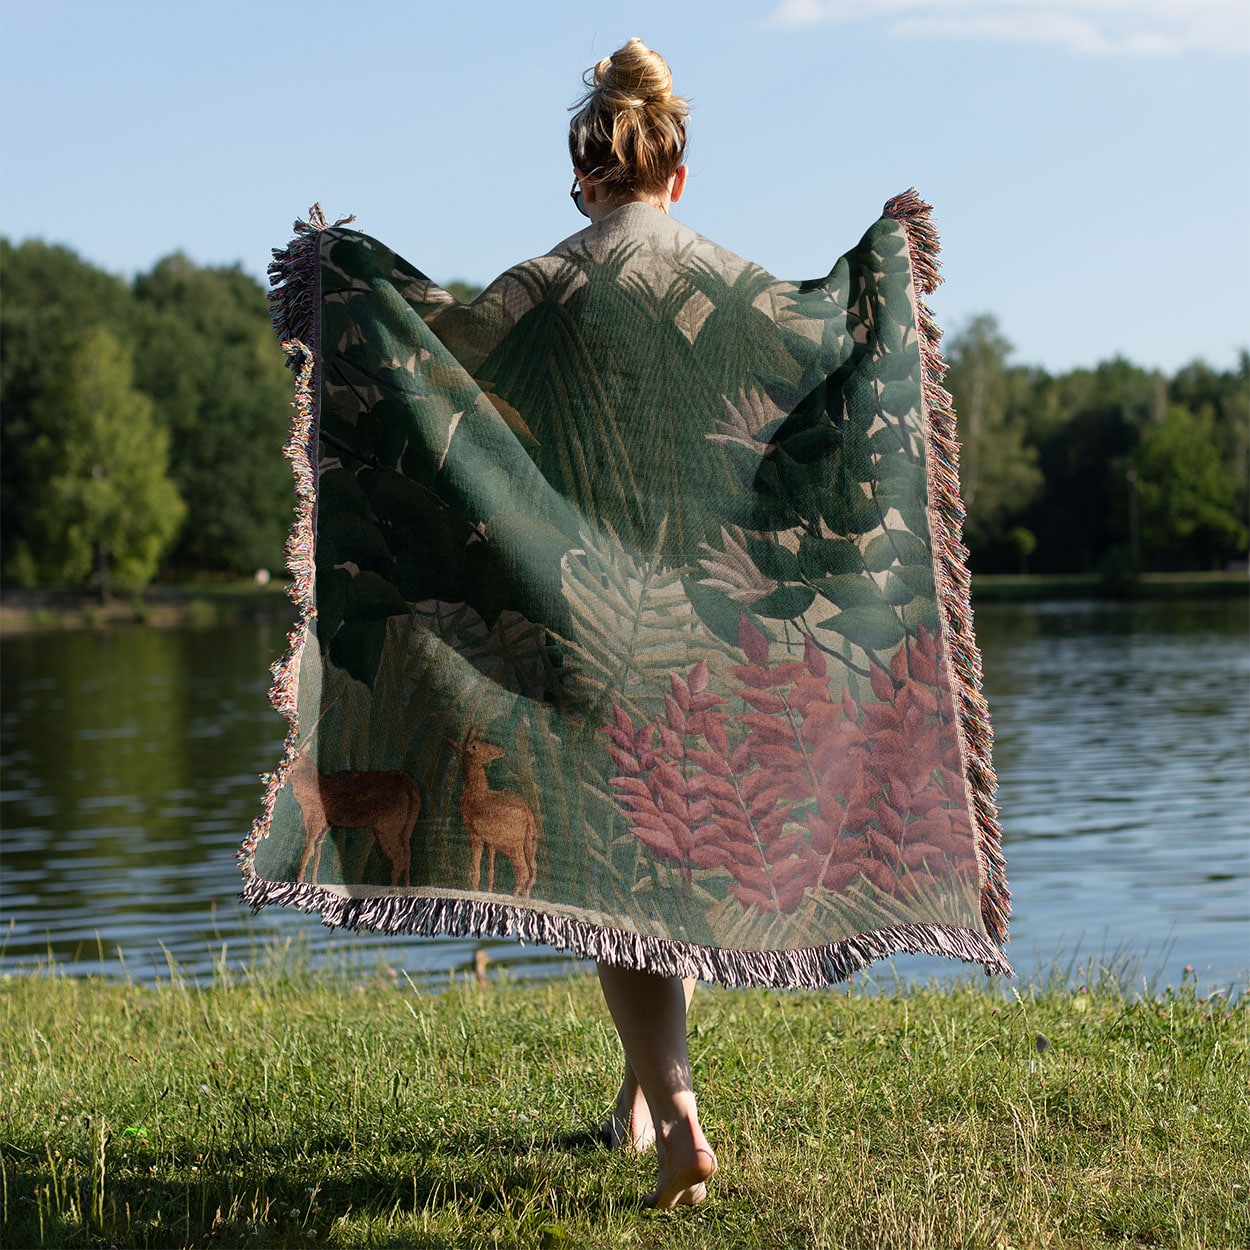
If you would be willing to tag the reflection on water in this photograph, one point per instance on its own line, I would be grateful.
(131, 759)
(1122, 747)
(130, 774)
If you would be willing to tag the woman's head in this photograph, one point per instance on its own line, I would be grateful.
(629, 131)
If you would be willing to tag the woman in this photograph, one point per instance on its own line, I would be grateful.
(628, 142)
(638, 617)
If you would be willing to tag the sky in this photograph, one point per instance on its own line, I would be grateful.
(1088, 160)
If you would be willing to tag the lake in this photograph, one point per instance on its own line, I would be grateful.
(131, 759)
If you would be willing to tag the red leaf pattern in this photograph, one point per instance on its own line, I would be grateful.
(803, 789)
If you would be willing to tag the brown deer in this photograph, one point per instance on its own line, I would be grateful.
(386, 802)
(500, 820)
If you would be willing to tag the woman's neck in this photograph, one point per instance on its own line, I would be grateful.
(602, 207)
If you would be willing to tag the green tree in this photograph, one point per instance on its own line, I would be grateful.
(998, 467)
(208, 357)
(1086, 424)
(465, 292)
(1024, 543)
(105, 508)
(51, 297)
(1187, 493)
(1223, 399)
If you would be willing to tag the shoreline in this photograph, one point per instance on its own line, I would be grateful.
(173, 606)
(1038, 587)
(201, 605)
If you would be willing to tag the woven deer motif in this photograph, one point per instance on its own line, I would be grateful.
(499, 820)
(388, 803)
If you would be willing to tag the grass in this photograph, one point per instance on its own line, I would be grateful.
(285, 1108)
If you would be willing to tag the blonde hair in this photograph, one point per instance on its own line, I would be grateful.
(629, 131)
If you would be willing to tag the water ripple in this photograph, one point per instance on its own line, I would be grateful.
(131, 764)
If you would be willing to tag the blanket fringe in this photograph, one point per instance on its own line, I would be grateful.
(295, 280)
(810, 968)
(954, 584)
(294, 303)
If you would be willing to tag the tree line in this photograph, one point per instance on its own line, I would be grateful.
(141, 424)
(1113, 470)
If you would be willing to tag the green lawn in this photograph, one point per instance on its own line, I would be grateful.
(283, 1108)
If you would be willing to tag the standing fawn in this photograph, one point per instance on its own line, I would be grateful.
(386, 802)
(500, 820)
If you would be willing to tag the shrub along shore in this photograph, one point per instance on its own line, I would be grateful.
(288, 1108)
(216, 603)
(162, 606)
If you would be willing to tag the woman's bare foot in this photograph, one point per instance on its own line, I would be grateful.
(686, 1165)
(649, 1011)
(629, 1127)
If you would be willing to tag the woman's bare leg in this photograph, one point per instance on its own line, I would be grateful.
(629, 1126)
(649, 1012)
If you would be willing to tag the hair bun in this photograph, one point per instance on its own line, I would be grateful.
(629, 130)
(634, 76)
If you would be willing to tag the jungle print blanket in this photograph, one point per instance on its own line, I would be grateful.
(634, 618)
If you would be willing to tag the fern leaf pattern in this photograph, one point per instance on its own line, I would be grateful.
(632, 621)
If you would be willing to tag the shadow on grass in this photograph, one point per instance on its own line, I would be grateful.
(279, 1195)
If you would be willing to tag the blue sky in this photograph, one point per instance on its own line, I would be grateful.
(1088, 160)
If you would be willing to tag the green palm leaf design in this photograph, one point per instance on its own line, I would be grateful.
(632, 625)
(511, 651)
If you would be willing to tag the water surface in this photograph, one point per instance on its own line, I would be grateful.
(131, 759)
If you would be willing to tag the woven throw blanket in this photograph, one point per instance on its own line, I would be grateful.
(633, 613)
